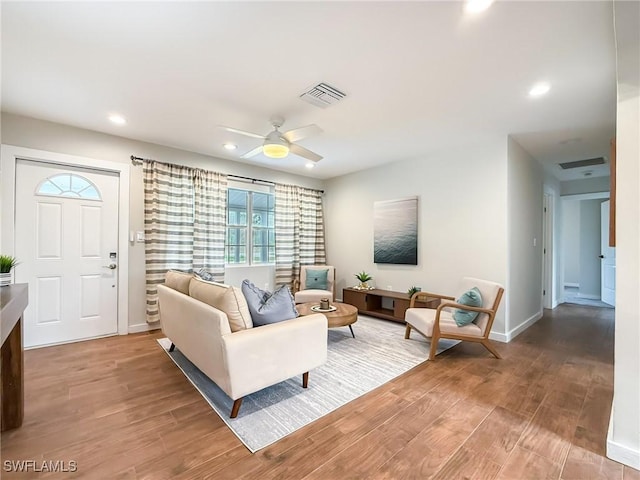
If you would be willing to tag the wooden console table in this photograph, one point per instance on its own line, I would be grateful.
(370, 302)
(13, 301)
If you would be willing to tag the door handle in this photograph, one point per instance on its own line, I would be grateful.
(111, 266)
(600, 256)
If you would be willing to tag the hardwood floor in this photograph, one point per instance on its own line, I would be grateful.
(120, 409)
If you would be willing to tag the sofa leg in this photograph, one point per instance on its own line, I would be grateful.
(407, 331)
(305, 379)
(172, 347)
(236, 407)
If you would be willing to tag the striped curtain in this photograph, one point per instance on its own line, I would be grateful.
(184, 223)
(299, 231)
(210, 222)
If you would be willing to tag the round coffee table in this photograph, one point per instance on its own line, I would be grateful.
(343, 316)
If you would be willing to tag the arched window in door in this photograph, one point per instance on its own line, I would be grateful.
(68, 185)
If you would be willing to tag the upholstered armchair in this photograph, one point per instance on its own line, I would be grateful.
(315, 284)
(443, 322)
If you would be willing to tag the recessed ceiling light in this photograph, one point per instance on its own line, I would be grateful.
(539, 89)
(117, 119)
(230, 146)
(310, 165)
(476, 6)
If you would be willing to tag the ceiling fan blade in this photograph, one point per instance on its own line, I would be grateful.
(303, 152)
(302, 132)
(241, 132)
(252, 153)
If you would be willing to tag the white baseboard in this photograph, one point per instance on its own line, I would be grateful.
(143, 327)
(576, 285)
(621, 453)
(511, 334)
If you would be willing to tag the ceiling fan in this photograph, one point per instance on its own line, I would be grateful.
(278, 144)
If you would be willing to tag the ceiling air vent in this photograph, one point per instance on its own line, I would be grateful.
(322, 95)
(582, 163)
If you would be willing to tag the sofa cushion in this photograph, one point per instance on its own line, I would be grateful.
(470, 298)
(178, 280)
(316, 279)
(267, 307)
(226, 299)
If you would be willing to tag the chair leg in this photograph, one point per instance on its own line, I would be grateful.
(488, 345)
(434, 348)
(407, 331)
(305, 379)
(172, 347)
(236, 407)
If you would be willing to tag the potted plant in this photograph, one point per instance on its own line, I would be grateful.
(413, 290)
(363, 277)
(7, 263)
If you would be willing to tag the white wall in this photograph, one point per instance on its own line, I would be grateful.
(571, 241)
(53, 137)
(525, 203)
(623, 442)
(586, 185)
(590, 248)
(462, 222)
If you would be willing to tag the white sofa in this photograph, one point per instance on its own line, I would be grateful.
(224, 345)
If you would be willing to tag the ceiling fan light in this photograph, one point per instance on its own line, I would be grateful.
(275, 150)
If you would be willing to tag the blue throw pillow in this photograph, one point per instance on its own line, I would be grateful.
(266, 307)
(316, 279)
(471, 298)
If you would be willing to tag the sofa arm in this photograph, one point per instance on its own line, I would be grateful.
(263, 356)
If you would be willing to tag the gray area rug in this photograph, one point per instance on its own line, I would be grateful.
(354, 367)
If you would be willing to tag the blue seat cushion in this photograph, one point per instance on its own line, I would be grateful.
(316, 279)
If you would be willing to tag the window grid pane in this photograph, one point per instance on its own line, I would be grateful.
(68, 185)
(256, 236)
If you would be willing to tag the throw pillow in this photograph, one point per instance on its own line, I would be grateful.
(471, 298)
(316, 279)
(178, 280)
(267, 307)
(226, 299)
(204, 274)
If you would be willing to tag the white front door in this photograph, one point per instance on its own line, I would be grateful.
(66, 241)
(607, 259)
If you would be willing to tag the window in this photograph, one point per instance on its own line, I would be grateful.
(251, 237)
(68, 185)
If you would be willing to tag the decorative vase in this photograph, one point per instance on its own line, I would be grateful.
(364, 286)
(5, 279)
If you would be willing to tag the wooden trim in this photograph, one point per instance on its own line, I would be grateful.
(612, 195)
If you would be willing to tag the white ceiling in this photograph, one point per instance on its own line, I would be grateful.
(419, 76)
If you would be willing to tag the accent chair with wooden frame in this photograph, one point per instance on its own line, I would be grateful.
(306, 295)
(439, 323)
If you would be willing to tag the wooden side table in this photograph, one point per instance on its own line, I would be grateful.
(370, 302)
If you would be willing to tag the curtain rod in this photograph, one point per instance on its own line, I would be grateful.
(139, 160)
